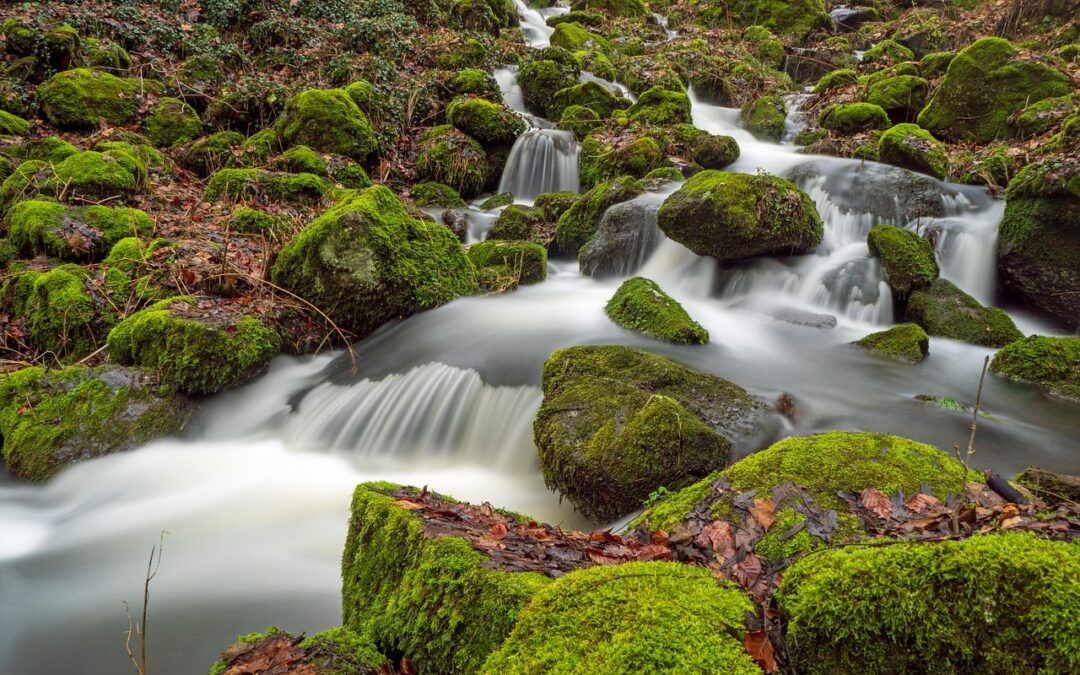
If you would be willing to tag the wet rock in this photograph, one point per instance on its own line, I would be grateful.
(458, 222)
(946, 311)
(907, 342)
(626, 237)
(1051, 363)
(1051, 487)
(641, 306)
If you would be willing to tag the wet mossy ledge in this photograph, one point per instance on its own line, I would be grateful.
(641, 306)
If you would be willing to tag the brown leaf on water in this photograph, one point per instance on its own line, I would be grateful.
(876, 502)
(763, 512)
(760, 648)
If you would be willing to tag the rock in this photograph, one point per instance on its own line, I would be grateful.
(986, 83)
(1044, 115)
(540, 79)
(946, 311)
(617, 423)
(841, 77)
(474, 82)
(637, 617)
(49, 419)
(901, 97)
(335, 651)
(848, 19)
(604, 158)
(641, 306)
(492, 124)
(592, 95)
(234, 185)
(734, 217)
(792, 18)
(457, 220)
(1051, 363)
(554, 204)
(908, 259)
(624, 240)
(1039, 239)
(13, 125)
(801, 317)
(210, 153)
(80, 98)
(517, 223)
(850, 118)
(579, 223)
(450, 157)
(814, 64)
(430, 193)
(197, 350)
(765, 118)
(503, 265)
(907, 342)
(580, 120)
(327, 120)
(172, 121)
(489, 16)
(1053, 488)
(660, 106)
(889, 51)
(366, 261)
(72, 233)
(301, 159)
(573, 37)
(497, 201)
(626, 8)
(911, 147)
(1028, 624)
(713, 152)
(889, 193)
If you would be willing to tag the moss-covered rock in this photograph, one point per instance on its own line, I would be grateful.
(580, 120)
(579, 223)
(935, 64)
(367, 261)
(13, 125)
(888, 51)
(72, 233)
(170, 122)
(300, 159)
(603, 158)
(197, 352)
(108, 56)
(554, 204)
(789, 18)
(908, 607)
(1051, 363)
(492, 124)
(907, 342)
(503, 265)
(49, 419)
(23, 182)
(733, 217)
(430, 193)
(912, 147)
(51, 149)
(78, 99)
(517, 223)
(619, 8)
(449, 156)
(661, 106)
(908, 259)
(710, 151)
(617, 423)
(208, 154)
(541, 79)
(92, 176)
(985, 84)
(902, 97)
(765, 117)
(946, 311)
(850, 118)
(574, 37)
(431, 597)
(638, 617)
(327, 120)
(841, 77)
(640, 305)
(1039, 238)
(233, 185)
(592, 95)
(475, 82)
(335, 651)
(1044, 115)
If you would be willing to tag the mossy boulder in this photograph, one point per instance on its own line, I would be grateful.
(448, 156)
(475, 82)
(327, 120)
(13, 125)
(541, 79)
(335, 651)
(432, 597)
(196, 350)
(1051, 363)
(985, 84)
(765, 117)
(902, 97)
(789, 18)
(908, 607)
(1044, 115)
(80, 98)
(49, 419)
(638, 617)
(234, 185)
(912, 147)
(72, 233)
(170, 122)
(946, 311)
(504, 265)
(888, 51)
(487, 16)
(580, 120)
(51, 149)
(641, 306)
(554, 204)
(850, 118)
(934, 64)
(517, 222)
(661, 106)
(575, 37)
(710, 151)
(206, 155)
(366, 261)
(592, 95)
(603, 158)
(430, 193)
(908, 259)
(579, 223)
(1039, 238)
(492, 124)
(617, 423)
(841, 77)
(619, 8)
(734, 217)
(907, 342)
(300, 159)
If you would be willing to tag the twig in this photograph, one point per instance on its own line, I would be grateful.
(971, 444)
(152, 568)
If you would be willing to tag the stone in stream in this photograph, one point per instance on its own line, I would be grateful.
(624, 240)
(640, 305)
(1051, 363)
(946, 311)
(907, 342)
(908, 259)
(579, 223)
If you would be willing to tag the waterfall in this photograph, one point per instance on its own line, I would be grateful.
(542, 160)
(534, 22)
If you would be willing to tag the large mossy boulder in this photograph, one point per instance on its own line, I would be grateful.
(92, 176)
(49, 419)
(710, 151)
(985, 84)
(449, 156)
(641, 617)
(661, 106)
(575, 37)
(851, 118)
(196, 349)
(641, 306)
(946, 311)
(579, 223)
(734, 217)
(902, 97)
(427, 595)
(912, 147)
(908, 259)
(81, 98)
(327, 120)
(366, 261)
(592, 95)
(504, 265)
(907, 342)
(765, 117)
(172, 121)
(542, 78)
(617, 423)
(909, 607)
(492, 124)
(72, 233)
(234, 185)
(1052, 363)
(1039, 238)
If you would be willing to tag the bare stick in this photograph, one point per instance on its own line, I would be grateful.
(152, 567)
(971, 445)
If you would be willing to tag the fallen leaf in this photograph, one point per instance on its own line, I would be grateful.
(876, 502)
(759, 647)
(763, 511)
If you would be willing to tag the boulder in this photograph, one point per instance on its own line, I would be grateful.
(72, 233)
(765, 117)
(907, 342)
(946, 311)
(328, 120)
(623, 241)
(234, 185)
(641, 306)
(541, 79)
(1051, 487)
(492, 124)
(912, 147)
(448, 156)
(579, 223)
(1049, 362)
(908, 259)
(503, 265)
(604, 157)
(902, 97)
(850, 118)
(80, 98)
(661, 106)
(170, 122)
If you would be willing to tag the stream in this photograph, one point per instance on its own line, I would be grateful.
(255, 499)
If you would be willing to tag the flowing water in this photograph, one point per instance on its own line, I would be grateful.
(255, 500)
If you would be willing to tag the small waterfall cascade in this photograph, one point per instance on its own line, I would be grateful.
(534, 22)
(662, 21)
(507, 79)
(542, 160)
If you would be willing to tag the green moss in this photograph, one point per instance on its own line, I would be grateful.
(22, 183)
(661, 106)
(193, 354)
(908, 259)
(49, 149)
(78, 99)
(946, 311)
(789, 18)
(232, 185)
(541, 79)
(603, 158)
(993, 166)
(301, 159)
(765, 117)
(109, 57)
(778, 545)
(251, 221)
(641, 306)
(733, 216)
(888, 50)
(638, 617)
(502, 265)
(430, 193)
(475, 82)
(713, 152)
(911, 607)
(592, 95)
(49, 228)
(13, 125)
(206, 155)
(431, 598)
(1052, 363)
(449, 156)
(497, 201)
(849, 118)
(912, 147)
(902, 97)
(490, 123)
(935, 64)
(172, 121)
(49, 419)
(575, 37)
(1042, 116)
(327, 120)
(516, 223)
(841, 77)
(335, 651)
(258, 147)
(617, 423)
(92, 176)
(579, 223)
(554, 204)
(907, 342)
(984, 85)
(619, 8)
(366, 261)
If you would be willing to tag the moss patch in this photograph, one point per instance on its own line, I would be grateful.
(851, 118)
(907, 342)
(1052, 363)
(492, 124)
(946, 311)
(172, 121)
(908, 259)
(641, 306)
(765, 117)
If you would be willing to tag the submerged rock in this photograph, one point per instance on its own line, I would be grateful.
(640, 305)
(1051, 363)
